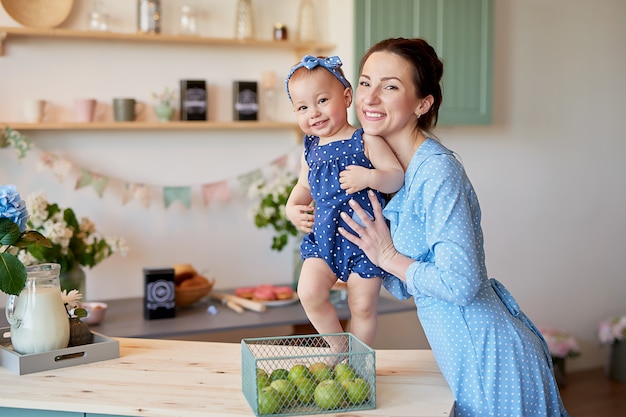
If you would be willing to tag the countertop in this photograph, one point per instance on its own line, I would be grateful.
(166, 378)
(124, 318)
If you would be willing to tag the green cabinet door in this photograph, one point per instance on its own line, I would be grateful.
(461, 31)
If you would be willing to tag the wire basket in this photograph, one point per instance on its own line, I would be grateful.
(311, 374)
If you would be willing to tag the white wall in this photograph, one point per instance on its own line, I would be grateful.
(549, 171)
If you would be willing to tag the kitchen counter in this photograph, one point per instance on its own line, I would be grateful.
(166, 378)
(124, 318)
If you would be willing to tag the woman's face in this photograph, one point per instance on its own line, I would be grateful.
(385, 99)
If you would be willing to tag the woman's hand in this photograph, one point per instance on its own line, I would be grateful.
(373, 237)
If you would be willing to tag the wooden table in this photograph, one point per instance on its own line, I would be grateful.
(166, 378)
(124, 318)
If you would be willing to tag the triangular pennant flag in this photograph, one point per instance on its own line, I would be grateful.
(217, 190)
(172, 194)
(246, 179)
(134, 191)
(87, 178)
(18, 141)
(281, 162)
(59, 166)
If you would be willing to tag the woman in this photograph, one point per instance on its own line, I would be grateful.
(492, 356)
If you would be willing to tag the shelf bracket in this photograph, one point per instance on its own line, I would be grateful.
(3, 36)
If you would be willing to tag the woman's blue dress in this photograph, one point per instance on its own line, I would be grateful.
(490, 353)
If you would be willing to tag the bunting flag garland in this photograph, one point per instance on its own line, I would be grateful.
(59, 166)
(221, 190)
(215, 191)
(137, 192)
(173, 194)
(88, 178)
(17, 140)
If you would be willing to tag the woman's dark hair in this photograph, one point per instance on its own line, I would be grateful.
(427, 72)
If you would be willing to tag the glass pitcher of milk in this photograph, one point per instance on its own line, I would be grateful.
(39, 321)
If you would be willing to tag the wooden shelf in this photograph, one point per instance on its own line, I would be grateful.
(173, 125)
(300, 48)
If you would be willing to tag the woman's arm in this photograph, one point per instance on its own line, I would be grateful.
(387, 175)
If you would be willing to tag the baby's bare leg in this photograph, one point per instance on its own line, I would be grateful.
(316, 280)
(363, 296)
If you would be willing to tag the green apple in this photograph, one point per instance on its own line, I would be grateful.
(279, 373)
(357, 390)
(306, 389)
(299, 371)
(329, 394)
(321, 371)
(287, 390)
(344, 371)
(270, 401)
(262, 378)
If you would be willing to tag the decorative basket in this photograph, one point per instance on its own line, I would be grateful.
(38, 13)
(326, 389)
(187, 296)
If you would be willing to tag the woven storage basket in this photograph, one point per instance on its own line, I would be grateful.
(38, 13)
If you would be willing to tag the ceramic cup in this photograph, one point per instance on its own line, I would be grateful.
(35, 110)
(126, 109)
(85, 109)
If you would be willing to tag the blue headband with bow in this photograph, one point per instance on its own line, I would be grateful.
(331, 63)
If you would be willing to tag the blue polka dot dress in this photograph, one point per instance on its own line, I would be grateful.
(491, 354)
(325, 163)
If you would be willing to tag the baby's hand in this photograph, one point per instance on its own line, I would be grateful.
(301, 216)
(354, 178)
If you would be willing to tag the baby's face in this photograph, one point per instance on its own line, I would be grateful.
(320, 102)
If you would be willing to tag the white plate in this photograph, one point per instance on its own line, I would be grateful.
(281, 303)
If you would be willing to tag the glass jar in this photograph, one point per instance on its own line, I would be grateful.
(39, 321)
(187, 20)
(98, 18)
(244, 24)
(149, 16)
(280, 32)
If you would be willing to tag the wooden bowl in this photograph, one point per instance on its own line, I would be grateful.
(189, 295)
(38, 13)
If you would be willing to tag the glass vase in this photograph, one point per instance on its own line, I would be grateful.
(244, 22)
(74, 279)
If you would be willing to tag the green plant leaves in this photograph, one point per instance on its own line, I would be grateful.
(12, 274)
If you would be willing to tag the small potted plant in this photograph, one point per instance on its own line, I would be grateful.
(164, 108)
(562, 345)
(612, 332)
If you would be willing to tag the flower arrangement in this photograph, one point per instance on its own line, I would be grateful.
(269, 211)
(167, 96)
(72, 242)
(13, 237)
(612, 330)
(561, 344)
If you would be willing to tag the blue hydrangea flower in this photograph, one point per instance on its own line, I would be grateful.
(12, 206)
